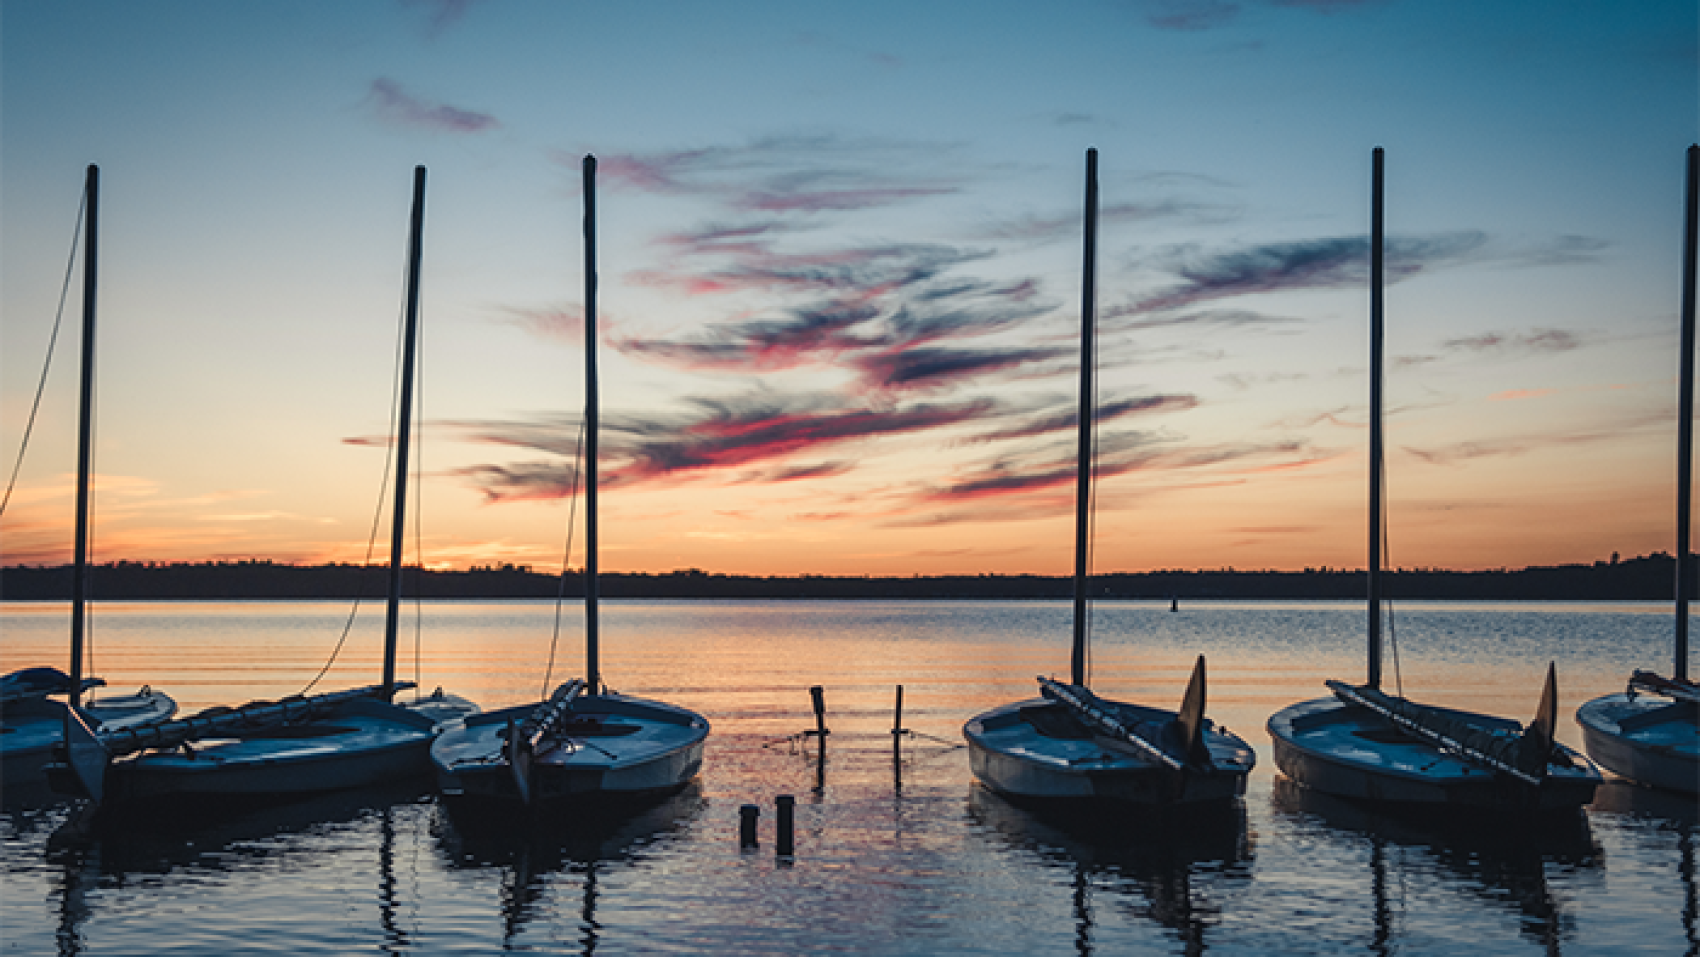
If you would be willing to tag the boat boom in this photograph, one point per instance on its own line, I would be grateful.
(259, 714)
(1087, 705)
(1414, 724)
(543, 720)
(1654, 683)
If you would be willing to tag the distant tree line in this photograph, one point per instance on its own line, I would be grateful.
(1649, 577)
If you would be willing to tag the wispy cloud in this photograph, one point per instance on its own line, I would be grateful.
(793, 174)
(1196, 15)
(797, 473)
(1068, 225)
(1514, 394)
(1189, 14)
(913, 368)
(810, 335)
(889, 313)
(1118, 454)
(441, 14)
(1458, 453)
(1132, 319)
(732, 433)
(524, 482)
(750, 439)
(396, 105)
(873, 269)
(1048, 423)
(1325, 6)
(1538, 342)
(565, 323)
(1569, 250)
(1305, 264)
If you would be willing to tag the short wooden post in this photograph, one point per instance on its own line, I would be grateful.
(785, 841)
(747, 817)
(819, 695)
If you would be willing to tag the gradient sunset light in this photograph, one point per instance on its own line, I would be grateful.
(840, 258)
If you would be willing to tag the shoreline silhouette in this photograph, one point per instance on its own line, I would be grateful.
(1646, 578)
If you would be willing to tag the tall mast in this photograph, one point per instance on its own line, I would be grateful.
(1376, 237)
(404, 427)
(1083, 447)
(85, 432)
(1685, 418)
(593, 677)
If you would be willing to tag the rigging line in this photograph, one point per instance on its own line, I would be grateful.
(47, 364)
(418, 497)
(1092, 524)
(1091, 491)
(566, 555)
(1387, 602)
(93, 480)
(92, 567)
(377, 514)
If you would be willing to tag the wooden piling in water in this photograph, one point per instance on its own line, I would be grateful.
(818, 694)
(785, 823)
(748, 815)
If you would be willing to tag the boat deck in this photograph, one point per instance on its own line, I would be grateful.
(1342, 749)
(1646, 738)
(1036, 748)
(361, 741)
(609, 743)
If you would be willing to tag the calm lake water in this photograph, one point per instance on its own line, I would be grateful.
(898, 851)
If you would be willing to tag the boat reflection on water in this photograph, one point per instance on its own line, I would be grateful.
(1501, 860)
(532, 851)
(1177, 868)
(1661, 818)
(28, 805)
(211, 849)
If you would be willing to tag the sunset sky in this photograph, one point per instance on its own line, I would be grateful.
(840, 264)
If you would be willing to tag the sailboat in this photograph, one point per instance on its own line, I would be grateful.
(1366, 743)
(1650, 732)
(294, 746)
(583, 741)
(31, 722)
(1069, 743)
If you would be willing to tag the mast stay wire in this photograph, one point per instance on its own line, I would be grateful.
(1387, 602)
(378, 513)
(566, 556)
(418, 428)
(52, 339)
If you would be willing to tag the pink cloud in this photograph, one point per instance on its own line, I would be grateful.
(565, 323)
(397, 105)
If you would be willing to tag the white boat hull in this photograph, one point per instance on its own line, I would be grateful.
(29, 728)
(1011, 752)
(362, 742)
(1645, 738)
(1348, 751)
(614, 746)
